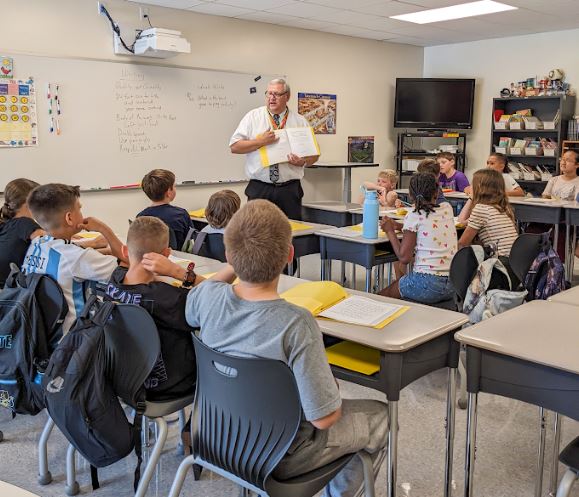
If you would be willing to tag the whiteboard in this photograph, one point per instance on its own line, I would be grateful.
(120, 120)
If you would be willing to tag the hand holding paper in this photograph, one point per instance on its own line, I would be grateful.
(296, 142)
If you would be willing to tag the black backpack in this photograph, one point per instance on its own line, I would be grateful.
(32, 310)
(81, 396)
(546, 276)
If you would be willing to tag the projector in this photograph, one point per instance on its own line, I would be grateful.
(161, 43)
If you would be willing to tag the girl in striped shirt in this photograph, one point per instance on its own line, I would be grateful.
(492, 220)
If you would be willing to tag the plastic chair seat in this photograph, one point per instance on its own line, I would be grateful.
(570, 455)
(164, 408)
(307, 484)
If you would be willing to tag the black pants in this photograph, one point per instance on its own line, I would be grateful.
(287, 196)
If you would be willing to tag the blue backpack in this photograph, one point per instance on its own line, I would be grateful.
(546, 276)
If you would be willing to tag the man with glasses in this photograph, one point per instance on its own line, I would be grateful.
(279, 183)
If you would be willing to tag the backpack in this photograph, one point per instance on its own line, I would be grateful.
(80, 397)
(546, 276)
(205, 244)
(481, 302)
(32, 310)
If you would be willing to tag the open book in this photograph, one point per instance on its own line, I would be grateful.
(299, 141)
(328, 299)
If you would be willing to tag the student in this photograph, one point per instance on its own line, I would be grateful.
(159, 186)
(492, 220)
(431, 166)
(566, 185)
(17, 227)
(498, 162)
(449, 177)
(220, 208)
(385, 185)
(57, 209)
(174, 375)
(428, 235)
(259, 324)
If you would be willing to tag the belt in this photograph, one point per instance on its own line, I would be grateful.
(277, 185)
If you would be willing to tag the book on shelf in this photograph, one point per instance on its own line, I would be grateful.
(361, 149)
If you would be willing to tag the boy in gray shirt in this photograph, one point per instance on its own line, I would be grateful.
(251, 320)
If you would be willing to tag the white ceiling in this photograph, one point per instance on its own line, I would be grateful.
(370, 18)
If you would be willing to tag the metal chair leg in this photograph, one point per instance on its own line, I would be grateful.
(154, 459)
(369, 487)
(71, 487)
(541, 452)
(44, 476)
(182, 422)
(566, 483)
(555, 457)
(462, 382)
(180, 476)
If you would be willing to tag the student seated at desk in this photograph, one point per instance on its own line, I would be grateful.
(498, 162)
(449, 177)
(220, 209)
(428, 235)
(492, 220)
(159, 186)
(250, 320)
(174, 375)
(57, 209)
(385, 185)
(17, 227)
(566, 185)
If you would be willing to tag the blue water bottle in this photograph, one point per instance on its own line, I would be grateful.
(370, 214)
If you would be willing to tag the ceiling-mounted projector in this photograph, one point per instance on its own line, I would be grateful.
(161, 43)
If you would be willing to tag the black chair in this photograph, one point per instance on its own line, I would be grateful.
(132, 350)
(569, 457)
(245, 417)
(525, 250)
(205, 244)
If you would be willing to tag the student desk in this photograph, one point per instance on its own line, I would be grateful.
(347, 167)
(571, 223)
(328, 212)
(456, 199)
(199, 260)
(528, 353)
(570, 297)
(336, 243)
(529, 210)
(415, 344)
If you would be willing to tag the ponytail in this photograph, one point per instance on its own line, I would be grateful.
(423, 189)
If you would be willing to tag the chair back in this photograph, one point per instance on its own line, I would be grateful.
(525, 250)
(246, 413)
(132, 349)
(213, 247)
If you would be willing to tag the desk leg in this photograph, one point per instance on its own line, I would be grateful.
(392, 448)
(568, 254)
(555, 457)
(469, 457)
(369, 280)
(541, 453)
(556, 237)
(347, 193)
(290, 268)
(343, 274)
(353, 277)
(450, 423)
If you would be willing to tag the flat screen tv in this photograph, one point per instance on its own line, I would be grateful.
(434, 103)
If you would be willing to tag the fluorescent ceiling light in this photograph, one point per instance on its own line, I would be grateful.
(455, 12)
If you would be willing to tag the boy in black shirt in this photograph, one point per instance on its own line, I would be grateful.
(174, 374)
(159, 186)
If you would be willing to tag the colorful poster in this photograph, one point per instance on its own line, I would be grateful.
(320, 111)
(361, 149)
(18, 124)
(6, 67)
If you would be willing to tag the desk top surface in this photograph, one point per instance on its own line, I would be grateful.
(418, 325)
(331, 205)
(570, 297)
(345, 164)
(538, 202)
(349, 233)
(313, 228)
(199, 260)
(540, 332)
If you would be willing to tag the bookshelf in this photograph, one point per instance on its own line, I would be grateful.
(545, 108)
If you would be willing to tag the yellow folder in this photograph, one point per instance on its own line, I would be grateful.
(354, 357)
(299, 226)
(197, 213)
(315, 296)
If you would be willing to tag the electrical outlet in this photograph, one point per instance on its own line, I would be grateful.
(143, 13)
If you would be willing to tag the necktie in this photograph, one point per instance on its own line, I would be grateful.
(274, 168)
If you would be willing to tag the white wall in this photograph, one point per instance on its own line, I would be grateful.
(361, 72)
(495, 64)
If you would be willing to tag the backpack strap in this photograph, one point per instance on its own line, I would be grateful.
(199, 240)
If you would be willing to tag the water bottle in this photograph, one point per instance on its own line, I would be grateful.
(370, 214)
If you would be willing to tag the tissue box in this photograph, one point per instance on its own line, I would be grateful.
(549, 152)
(516, 151)
(517, 125)
(533, 151)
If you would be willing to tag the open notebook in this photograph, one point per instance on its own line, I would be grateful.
(329, 300)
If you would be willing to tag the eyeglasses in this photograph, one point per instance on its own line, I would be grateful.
(275, 94)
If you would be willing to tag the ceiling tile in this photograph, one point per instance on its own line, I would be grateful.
(254, 4)
(409, 40)
(521, 17)
(220, 10)
(390, 8)
(437, 4)
(305, 10)
(557, 7)
(298, 22)
(266, 17)
(349, 17)
(173, 4)
(342, 4)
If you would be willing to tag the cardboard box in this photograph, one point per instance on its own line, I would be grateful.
(516, 151)
(533, 125)
(546, 176)
(502, 150)
(549, 152)
(533, 151)
(501, 125)
(517, 125)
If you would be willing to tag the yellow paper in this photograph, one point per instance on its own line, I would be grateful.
(87, 234)
(299, 226)
(209, 275)
(315, 296)
(354, 357)
(197, 213)
(394, 316)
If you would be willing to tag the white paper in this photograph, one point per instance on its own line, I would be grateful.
(301, 142)
(361, 310)
(278, 151)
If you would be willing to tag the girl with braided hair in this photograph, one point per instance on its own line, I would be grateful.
(428, 236)
(17, 227)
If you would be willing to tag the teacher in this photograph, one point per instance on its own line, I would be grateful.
(279, 183)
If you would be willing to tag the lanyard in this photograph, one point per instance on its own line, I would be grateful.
(281, 124)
